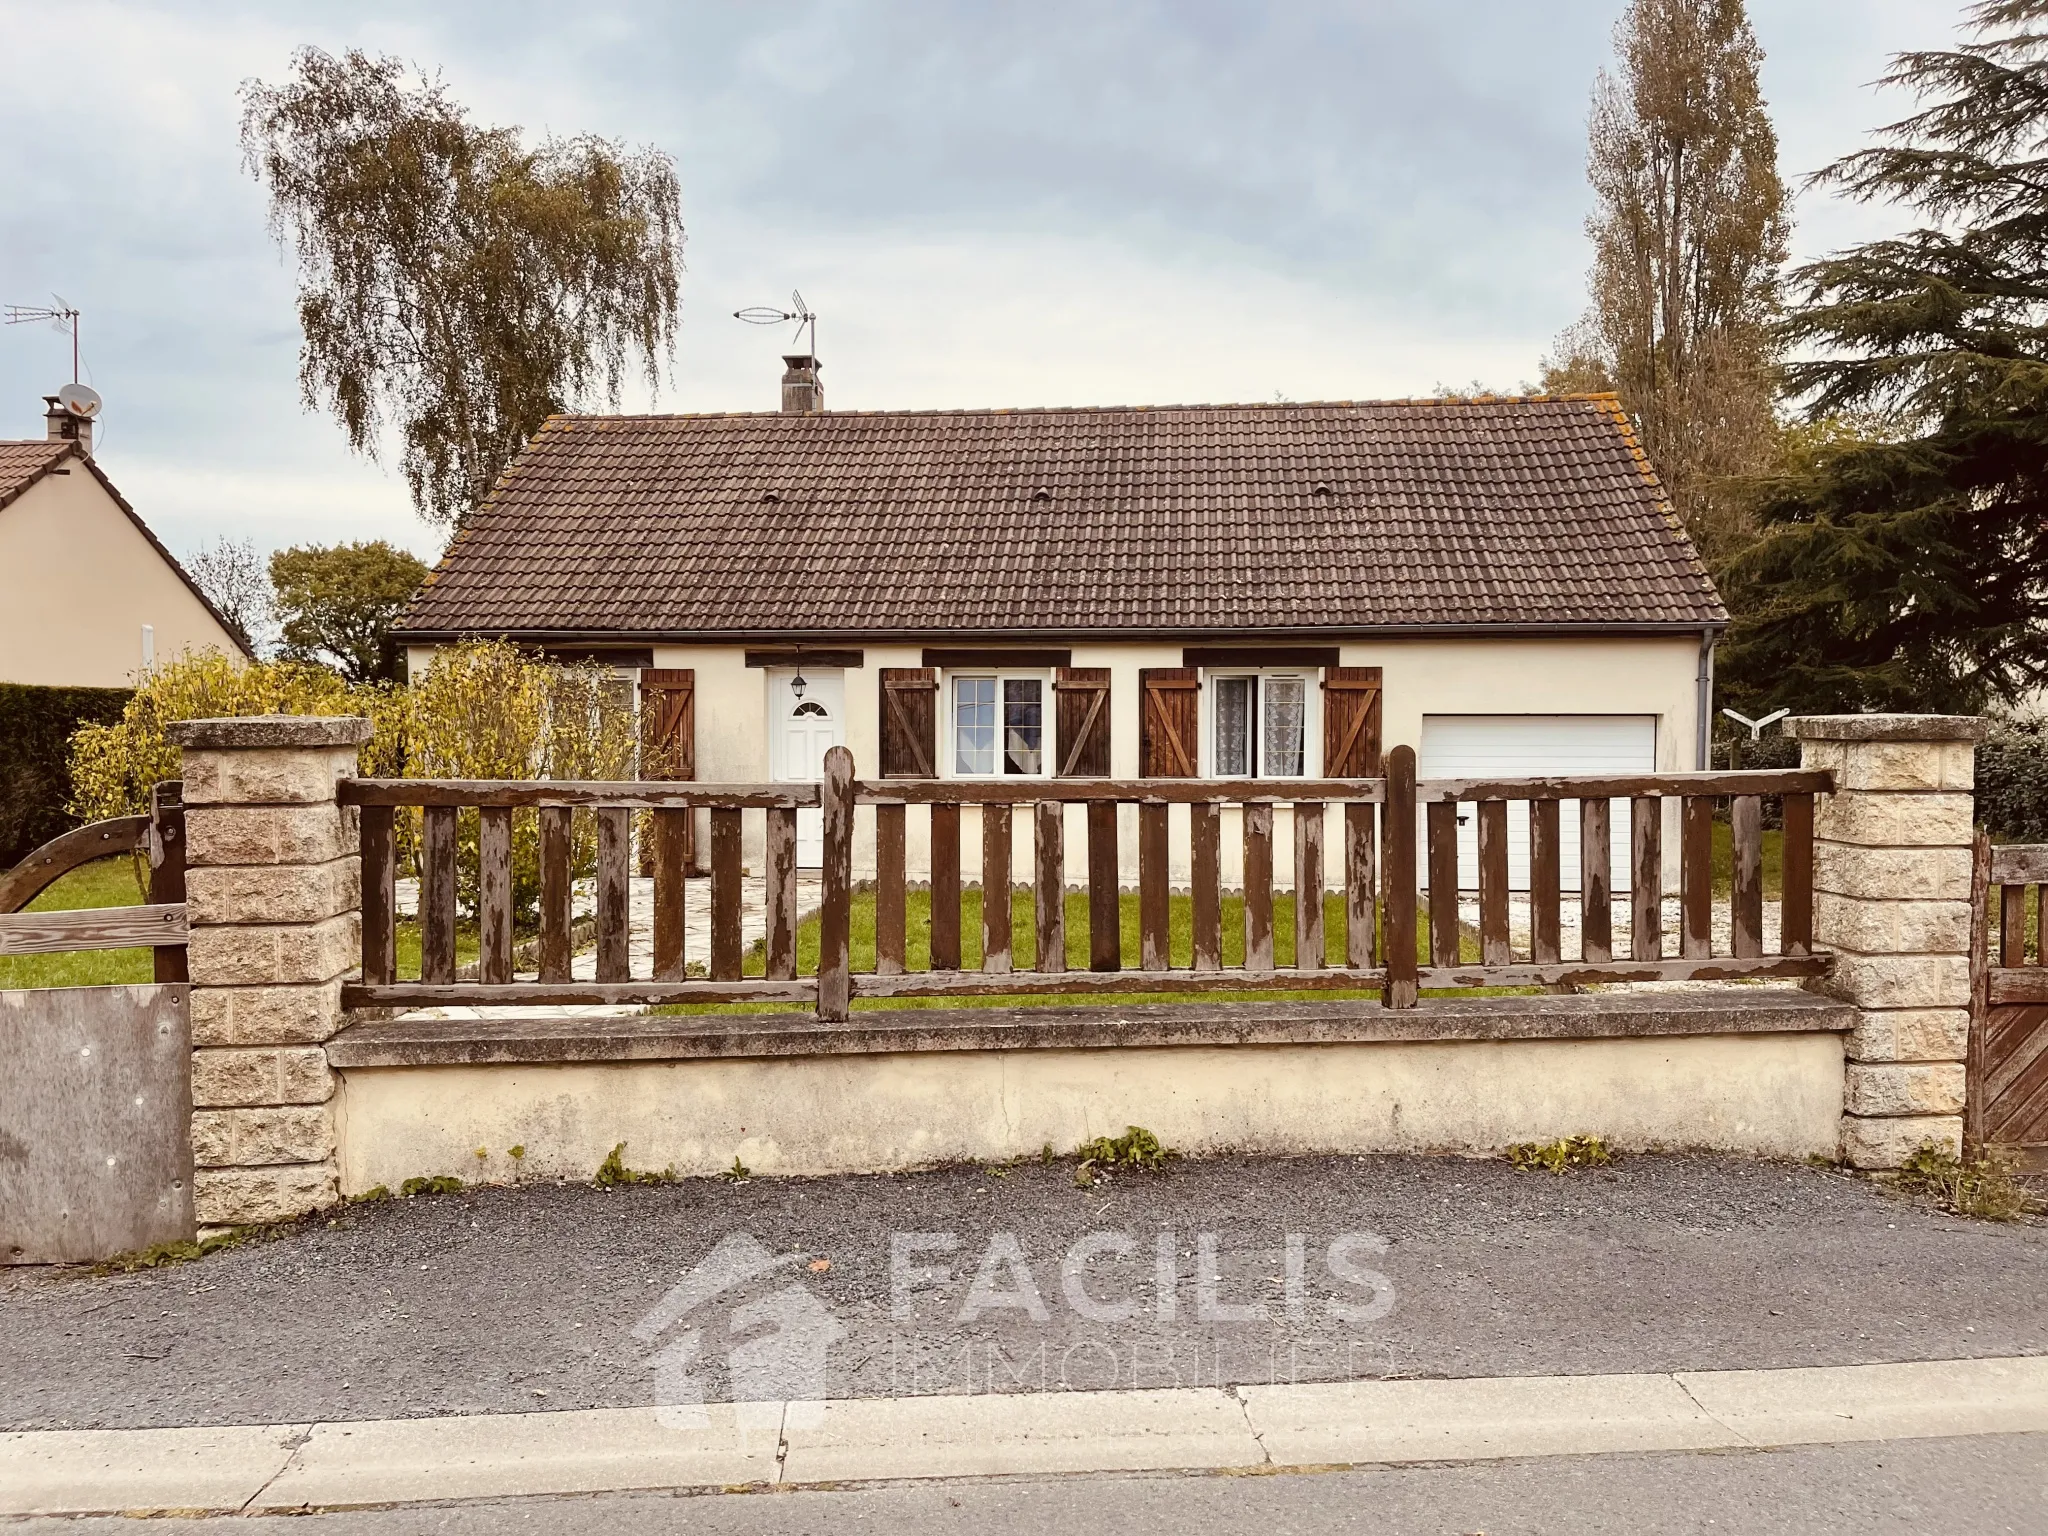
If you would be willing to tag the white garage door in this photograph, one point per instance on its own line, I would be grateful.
(1519, 746)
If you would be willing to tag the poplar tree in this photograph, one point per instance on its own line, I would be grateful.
(1688, 238)
(1904, 558)
(455, 283)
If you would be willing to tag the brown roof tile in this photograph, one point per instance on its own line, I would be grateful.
(1170, 519)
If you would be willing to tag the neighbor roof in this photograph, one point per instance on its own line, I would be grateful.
(24, 462)
(1347, 517)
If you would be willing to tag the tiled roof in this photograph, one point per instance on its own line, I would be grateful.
(22, 464)
(1171, 520)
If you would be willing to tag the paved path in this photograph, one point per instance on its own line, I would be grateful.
(1958, 1486)
(280, 1468)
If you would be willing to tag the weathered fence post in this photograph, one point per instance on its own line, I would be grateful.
(167, 870)
(1398, 864)
(1892, 900)
(835, 907)
(273, 890)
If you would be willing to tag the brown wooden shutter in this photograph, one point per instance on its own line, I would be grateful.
(1168, 735)
(910, 722)
(1082, 721)
(1351, 723)
(668, 723)
(668, 743)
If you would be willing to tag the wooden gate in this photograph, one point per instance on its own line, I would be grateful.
(95, 1082)
(2007, 1106)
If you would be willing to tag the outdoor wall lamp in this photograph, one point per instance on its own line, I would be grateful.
(796, 684)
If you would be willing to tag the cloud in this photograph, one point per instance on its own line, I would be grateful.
(1145, 201)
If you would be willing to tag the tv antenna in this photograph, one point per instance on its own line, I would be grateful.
(64, 316)
(800, 312)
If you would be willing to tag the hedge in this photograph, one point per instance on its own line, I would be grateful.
(2012, 781)
(35, 752)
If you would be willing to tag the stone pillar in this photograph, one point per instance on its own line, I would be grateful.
(1892, 901)
(273, 894)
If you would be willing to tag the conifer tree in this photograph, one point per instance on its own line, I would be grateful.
(1904, 558)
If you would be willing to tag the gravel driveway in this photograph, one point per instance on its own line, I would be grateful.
(496, 1300)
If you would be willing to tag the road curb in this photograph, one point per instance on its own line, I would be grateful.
(280, 1468)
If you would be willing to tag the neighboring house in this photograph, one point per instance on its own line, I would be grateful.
(1265, 591)
(88, 597)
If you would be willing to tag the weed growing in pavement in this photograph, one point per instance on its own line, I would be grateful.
(371, 1195)
(1560, 1156)
(430, 1184)
(613, 1171)
(184, 1252)
(1136, 1148)
(1984, 1187)
(738, 1173)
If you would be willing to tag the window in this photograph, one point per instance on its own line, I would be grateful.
(998, 726)
(1260, 725)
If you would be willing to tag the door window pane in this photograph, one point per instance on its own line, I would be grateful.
(1235, 698)
(1284, 728)
(974, 725)
(1023, 725)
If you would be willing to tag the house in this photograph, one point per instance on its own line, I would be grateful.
(88, 597)
(1270, 591)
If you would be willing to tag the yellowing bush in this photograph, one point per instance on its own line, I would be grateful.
(482, 710)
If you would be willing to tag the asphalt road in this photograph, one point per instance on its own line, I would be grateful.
(1960, 1487)
(511, 1299)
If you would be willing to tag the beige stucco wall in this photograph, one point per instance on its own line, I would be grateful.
(1624, 675)
(1776, 1095)
(77, 583)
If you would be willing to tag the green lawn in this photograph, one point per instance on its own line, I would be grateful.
(102, 883)
(1024, 950)
(1724, 862)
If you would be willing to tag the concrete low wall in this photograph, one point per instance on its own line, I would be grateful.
(1737, 1084)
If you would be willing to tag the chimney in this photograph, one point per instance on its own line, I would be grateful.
(801, 391)
(63, 423)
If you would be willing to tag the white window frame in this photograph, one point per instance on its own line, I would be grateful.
(1311, 719)
(949, 744)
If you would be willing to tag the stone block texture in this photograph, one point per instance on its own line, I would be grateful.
(274, 897)
(289, 1074)
(269, 776)
(258, 1137)
(305, 1014)
(269, 834)
(1892, 903)
(274, 954)
(283, 893)
(237, 1197)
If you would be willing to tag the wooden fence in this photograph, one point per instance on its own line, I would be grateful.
(159, 923)
(1376, 869)
(2007, 1074)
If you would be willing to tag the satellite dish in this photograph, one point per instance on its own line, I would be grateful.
(79, 400)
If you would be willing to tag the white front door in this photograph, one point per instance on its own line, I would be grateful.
(801, 731)
(1521, 746)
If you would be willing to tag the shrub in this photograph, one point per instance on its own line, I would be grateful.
(2012, 780)
(483, 710)
(487, 710)
(114, 767)
(35, 759)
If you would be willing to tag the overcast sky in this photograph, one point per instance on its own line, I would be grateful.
(1044, 203)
